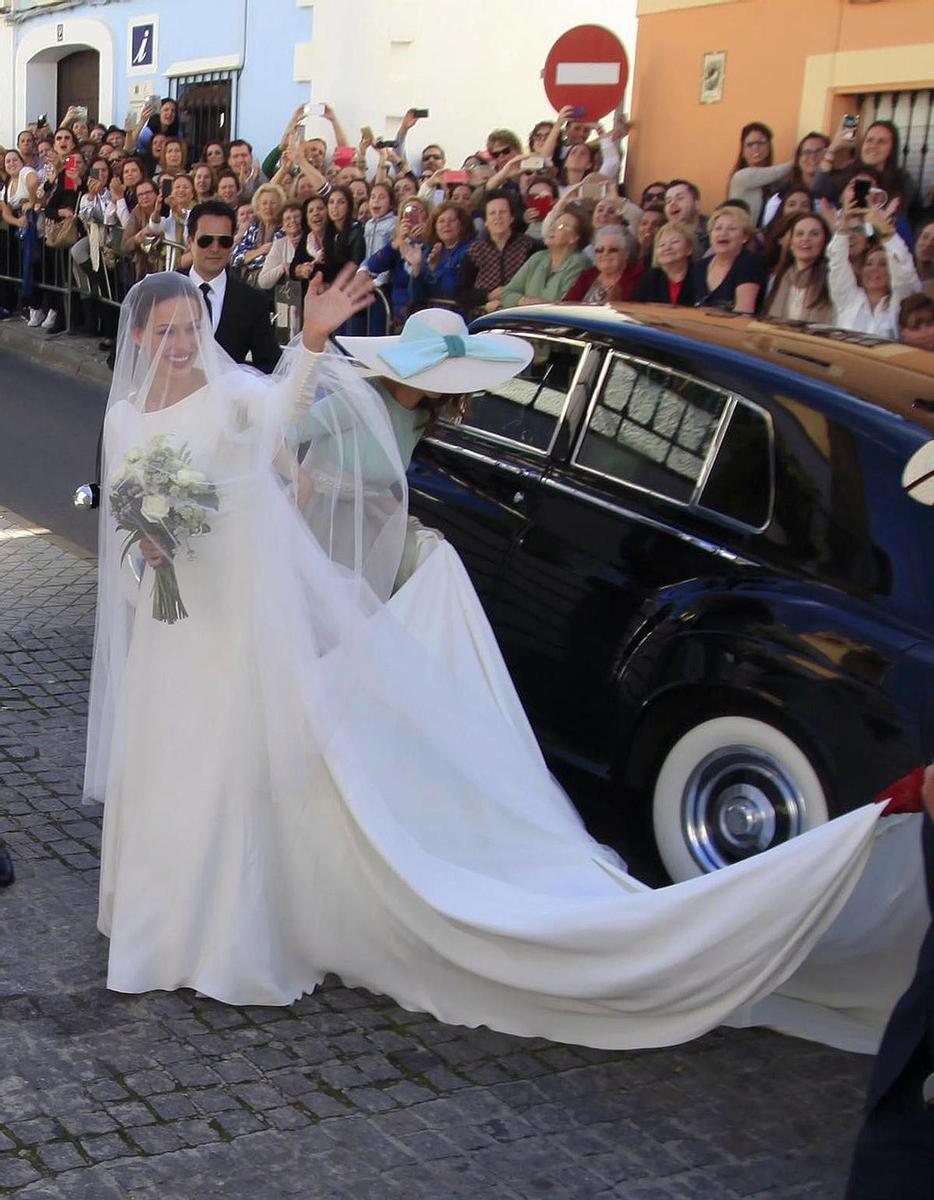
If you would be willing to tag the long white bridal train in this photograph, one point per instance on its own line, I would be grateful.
(433, 858)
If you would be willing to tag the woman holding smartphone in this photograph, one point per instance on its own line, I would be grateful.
(867, 300)
(879, 150)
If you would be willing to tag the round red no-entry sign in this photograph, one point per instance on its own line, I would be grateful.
(587, 67)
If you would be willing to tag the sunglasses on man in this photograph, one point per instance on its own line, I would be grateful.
(224, 240)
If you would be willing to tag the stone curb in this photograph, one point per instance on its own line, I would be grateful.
(62, 352)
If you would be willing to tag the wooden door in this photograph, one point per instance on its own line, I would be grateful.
(79, 82)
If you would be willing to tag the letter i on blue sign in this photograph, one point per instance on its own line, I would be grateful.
(142, 41)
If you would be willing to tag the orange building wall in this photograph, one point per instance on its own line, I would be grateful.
(767, 43)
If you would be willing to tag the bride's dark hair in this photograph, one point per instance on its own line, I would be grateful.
(164, 285)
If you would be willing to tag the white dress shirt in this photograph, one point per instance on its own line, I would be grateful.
(218, 286)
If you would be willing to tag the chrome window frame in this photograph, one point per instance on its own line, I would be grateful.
(693, 503)
(496, 439)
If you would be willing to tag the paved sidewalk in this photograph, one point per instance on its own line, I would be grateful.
(344, 1094)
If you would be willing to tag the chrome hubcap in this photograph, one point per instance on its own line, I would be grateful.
(739, 801)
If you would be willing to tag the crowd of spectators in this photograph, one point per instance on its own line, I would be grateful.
(822, 237)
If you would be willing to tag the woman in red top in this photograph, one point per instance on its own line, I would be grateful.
(670, 281)
(617, 272)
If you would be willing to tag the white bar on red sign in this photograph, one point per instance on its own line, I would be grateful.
(582, 73)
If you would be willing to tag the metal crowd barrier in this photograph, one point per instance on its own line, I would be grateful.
(52, 276)
(49, 271)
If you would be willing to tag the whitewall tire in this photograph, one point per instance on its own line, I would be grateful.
(729, 788)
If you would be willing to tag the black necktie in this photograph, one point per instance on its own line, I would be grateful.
(206, 292)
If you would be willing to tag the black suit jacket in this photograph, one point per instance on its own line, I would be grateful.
(245, 325)
(911, 1026)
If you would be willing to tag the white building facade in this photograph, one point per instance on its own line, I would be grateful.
(245, 65)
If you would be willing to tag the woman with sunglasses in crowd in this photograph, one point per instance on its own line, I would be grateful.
(618, 269)
(754, 176)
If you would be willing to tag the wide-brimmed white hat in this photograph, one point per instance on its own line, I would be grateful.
(918, 475)
(436, 352)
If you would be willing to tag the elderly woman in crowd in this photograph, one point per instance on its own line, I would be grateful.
(618, 269)
(275, 268)
(494, 257)
(250, 253)
(670, 279)
(754, 177)
(435, 266)
(868, 300)
(798, 289)
(548, 275)
(730, 276)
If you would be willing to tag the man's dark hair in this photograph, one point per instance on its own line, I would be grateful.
(210, 208)
(239, 142)
(918, 302)
(691, 187)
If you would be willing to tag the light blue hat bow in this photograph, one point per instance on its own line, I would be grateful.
(420, 348)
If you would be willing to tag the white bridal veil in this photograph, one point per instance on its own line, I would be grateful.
(201, 457)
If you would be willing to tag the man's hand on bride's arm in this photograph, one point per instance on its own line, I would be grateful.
(152, 553)
(327, 308)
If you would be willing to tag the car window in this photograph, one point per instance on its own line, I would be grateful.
(651, 428)
(528, 408)
(740, 481)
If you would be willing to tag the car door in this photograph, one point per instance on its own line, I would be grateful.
(477, 479)
(616, 521)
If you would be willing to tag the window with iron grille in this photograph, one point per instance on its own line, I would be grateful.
(912, 113)
(208, 103)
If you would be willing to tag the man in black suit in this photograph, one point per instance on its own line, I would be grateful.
(240, 314)
(894, 1157)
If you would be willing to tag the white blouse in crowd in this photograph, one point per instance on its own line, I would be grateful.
(851, 307)
(18, 196)
(100, 209)
(277, 262)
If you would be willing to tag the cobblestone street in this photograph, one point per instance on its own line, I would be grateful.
(344, 1094)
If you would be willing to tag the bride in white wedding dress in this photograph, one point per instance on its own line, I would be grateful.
(304, 774)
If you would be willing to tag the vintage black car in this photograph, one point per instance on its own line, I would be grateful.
(689, 533)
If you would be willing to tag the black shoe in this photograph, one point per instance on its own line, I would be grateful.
(7, 874)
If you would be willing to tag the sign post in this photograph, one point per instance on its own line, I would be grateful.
(587, 67)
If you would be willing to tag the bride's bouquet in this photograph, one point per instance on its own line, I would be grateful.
(157, 494)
